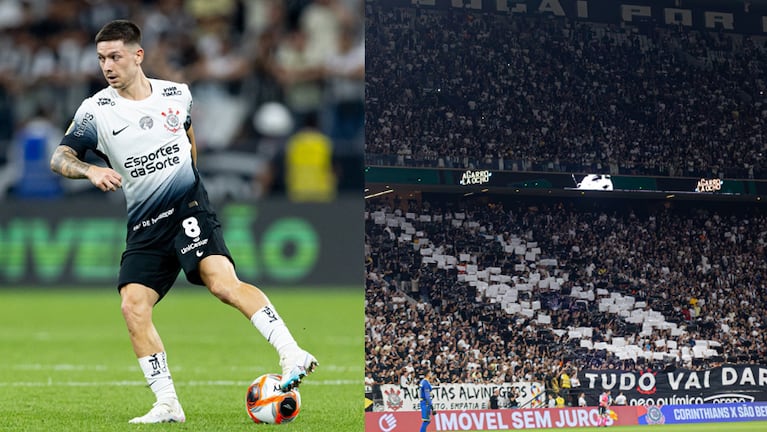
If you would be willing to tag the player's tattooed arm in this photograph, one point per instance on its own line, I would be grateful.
(65, 162)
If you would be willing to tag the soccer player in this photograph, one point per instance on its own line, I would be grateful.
(142, 128)
(604, 407)
(424, 394)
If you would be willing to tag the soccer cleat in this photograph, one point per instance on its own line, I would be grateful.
(162, 412)
(295, 367)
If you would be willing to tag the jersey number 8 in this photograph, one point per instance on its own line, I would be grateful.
(191, 227)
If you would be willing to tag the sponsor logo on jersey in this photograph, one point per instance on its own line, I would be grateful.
(80, 131)
(157, 160)
(146, 122)
(172, 122)
(154, 220)
(193, 246)
(171, 91)
(105, 101)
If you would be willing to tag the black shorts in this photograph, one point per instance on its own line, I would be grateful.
(602, 410)
(195, 233)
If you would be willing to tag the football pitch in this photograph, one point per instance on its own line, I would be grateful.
(67, 363)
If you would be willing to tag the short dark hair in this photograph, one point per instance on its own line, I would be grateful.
(119, 30)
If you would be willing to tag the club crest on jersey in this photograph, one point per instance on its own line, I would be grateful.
(172, 122)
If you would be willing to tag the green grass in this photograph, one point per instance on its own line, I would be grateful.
(697, 427)
(66, 363)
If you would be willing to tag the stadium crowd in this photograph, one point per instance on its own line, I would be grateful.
(701, 266)
(532, 92)
(237, 55)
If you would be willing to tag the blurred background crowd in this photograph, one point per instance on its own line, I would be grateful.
(534, 92)
(259, 70)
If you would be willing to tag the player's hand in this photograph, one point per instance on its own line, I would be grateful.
(106, 179)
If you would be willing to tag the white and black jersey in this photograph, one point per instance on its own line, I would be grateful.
(145, 141)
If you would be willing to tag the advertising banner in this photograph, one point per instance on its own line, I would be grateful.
(725, 384)
(460, 396)
(729, 412)
(494, 180)
(80, 241)
(500, 419)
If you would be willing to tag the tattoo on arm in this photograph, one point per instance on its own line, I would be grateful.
(66, 163)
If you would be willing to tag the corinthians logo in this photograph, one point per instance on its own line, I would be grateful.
(172, 122)
(655, 415)
(393, 399)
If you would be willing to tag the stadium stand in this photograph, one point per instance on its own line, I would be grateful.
(468, 89)
(507, 289)
(503, 289)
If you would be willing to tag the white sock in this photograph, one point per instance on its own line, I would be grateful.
(157, 374)
(269, 323)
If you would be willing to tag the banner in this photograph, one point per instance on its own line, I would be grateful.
(674, 414)
(563, 418)
(500, 419)
(460, 396)
(724, 16)
(725, 384)
(274, 241)
(503, 180)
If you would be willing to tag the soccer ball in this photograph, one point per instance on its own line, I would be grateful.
(267, 403)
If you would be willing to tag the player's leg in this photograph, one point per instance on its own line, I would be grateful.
(425, 416)
(139, 271)
(218, 274)
(137, 304)
(202, 252)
